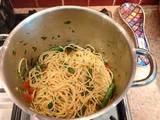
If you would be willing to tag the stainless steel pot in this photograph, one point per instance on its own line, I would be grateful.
(63, 25)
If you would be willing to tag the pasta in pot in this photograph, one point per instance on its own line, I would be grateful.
(68, 82)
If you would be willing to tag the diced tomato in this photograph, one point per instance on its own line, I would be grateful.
(30, 90)
(25, 84)
(26, 97)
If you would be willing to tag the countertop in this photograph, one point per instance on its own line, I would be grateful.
(144, 101)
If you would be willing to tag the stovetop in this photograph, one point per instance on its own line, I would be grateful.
(10, 111)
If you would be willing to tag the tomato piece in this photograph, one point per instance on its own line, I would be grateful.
(30, 90)
(26, 97)
(25, 84)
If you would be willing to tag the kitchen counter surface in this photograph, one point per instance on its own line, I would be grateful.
(144, 101)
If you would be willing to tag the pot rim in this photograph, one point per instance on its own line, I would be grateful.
(96, 114)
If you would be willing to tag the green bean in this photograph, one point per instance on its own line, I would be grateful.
(108, 95)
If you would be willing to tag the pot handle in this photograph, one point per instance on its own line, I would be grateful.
(144, 59)
(2, 39)
(3, 36)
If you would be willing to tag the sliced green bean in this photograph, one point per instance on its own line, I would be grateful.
(108, 95)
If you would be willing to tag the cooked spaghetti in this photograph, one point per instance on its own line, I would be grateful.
(67, 82)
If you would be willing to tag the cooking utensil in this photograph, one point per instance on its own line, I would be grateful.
(61, 26)
(133, 15)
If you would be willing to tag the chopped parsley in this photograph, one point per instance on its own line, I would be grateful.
(67, 22)
(34, 48)
(90, 71)
(53, 37)
(71, 70)
(24, 44)
(58, 36)
(73, 31)
(43, 38)
(21, 41)
(57, 48)
(14, 52)
(25, 51)
(50, 105)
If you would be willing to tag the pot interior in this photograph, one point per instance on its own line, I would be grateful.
(61, 27)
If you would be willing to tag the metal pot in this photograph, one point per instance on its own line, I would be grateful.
(64, 25)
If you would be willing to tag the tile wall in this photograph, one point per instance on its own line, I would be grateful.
(50, 3)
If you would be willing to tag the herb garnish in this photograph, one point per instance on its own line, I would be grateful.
(67, 22)
(69, 49)
(58, 36)
(50, 105)
(34, 48)
(57, 48)
(71, 70)
(25, 51)
(14, 52)
(40, 67)
(24, 44)
(21, 41)
(90, 71)
(43, 38)
(65, 65)
(53, 37)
